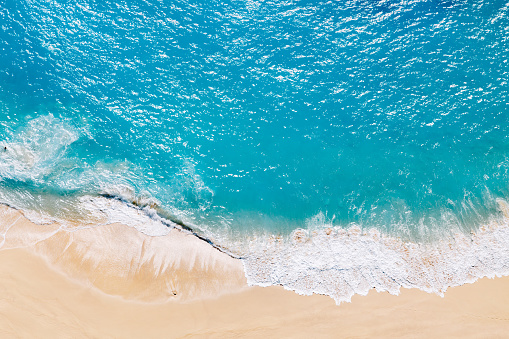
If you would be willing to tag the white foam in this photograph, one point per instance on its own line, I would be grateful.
(97, 211)
(340, 263)
(35, 150)
(144, 220)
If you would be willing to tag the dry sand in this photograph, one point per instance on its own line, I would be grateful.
(60, 284)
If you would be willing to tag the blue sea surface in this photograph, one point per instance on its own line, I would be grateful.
(248, 117)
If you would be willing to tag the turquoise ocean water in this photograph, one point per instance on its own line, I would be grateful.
(252, 121)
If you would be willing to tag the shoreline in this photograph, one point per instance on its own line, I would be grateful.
(331, 261)
(114, 281)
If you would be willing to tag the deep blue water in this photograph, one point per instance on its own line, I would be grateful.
(242, 116)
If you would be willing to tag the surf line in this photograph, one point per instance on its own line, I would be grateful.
(171, 222)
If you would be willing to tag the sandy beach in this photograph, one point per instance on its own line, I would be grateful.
(69, 284)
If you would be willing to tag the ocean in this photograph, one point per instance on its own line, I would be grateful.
(333, 146)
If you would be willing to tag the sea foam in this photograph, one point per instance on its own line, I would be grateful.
(340, 263)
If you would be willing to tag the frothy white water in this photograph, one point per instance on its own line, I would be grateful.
(111, 211)
(35, 151)
(341, 263)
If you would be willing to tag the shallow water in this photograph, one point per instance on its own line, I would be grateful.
(250, 120)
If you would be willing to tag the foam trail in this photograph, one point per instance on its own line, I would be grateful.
(341, 263)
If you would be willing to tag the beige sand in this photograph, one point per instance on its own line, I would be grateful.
(37, 300)
(119, 260)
